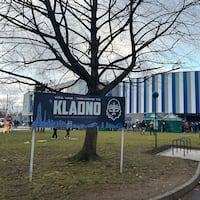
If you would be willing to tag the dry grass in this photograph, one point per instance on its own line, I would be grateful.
(56, 177)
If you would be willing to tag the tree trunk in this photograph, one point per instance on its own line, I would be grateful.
(88, 151)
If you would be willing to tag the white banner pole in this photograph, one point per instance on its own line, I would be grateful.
(122, 151)
(32, 155)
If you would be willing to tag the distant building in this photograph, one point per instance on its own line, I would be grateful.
(27, 112)
(179, 93)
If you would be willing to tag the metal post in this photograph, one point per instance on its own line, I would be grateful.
(122, 151)
(32, 155)
(155, 96)
(155, 131)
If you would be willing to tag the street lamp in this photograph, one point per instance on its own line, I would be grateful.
(155, 96)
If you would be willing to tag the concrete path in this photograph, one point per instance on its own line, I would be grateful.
(180, 153)
(192, 184)
(193, 195)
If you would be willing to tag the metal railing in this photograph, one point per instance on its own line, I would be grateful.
(183, 143)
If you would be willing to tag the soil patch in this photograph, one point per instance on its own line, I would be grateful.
(144, 189)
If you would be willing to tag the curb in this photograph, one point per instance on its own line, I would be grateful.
(182, 190)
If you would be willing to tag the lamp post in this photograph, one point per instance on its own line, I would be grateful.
(155, 96)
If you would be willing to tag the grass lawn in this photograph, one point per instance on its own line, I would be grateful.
(56, 177)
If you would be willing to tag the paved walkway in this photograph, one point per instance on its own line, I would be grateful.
(191, 185)
(193, 195)
(179, 153)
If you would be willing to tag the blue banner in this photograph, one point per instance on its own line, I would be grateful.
(77, 111)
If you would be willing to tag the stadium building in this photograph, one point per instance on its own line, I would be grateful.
(179, 93)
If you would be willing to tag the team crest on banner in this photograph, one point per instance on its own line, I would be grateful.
(113, 110)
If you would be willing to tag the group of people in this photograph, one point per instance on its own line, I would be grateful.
(55, 135)
(192, 127)
(142, 126)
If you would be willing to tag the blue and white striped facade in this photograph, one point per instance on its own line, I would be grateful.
(179, 93)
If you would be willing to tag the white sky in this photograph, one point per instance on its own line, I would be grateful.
(189, 55)
(14, 94)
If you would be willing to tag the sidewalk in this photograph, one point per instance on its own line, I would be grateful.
(193, 195)
(179, 192)
(193, 154)
(17, 128)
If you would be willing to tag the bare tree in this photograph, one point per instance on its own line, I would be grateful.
(99, 41)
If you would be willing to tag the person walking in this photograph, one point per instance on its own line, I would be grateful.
(54, 133)
(151, 127)
(67, 133)
(143, 127)
(163, 126)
